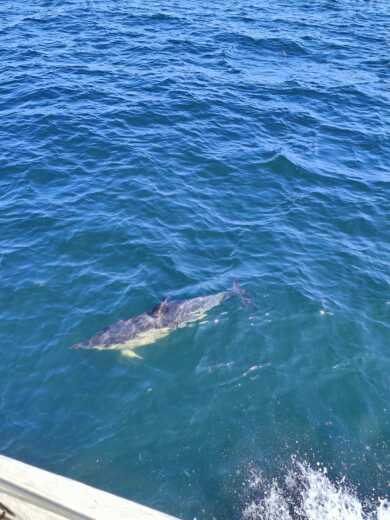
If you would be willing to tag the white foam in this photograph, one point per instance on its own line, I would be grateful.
(309, 494)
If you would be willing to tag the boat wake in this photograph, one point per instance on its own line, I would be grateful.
(305, 493)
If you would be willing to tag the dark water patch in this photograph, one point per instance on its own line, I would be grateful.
(259, 43)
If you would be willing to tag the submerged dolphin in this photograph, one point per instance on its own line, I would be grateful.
(127, 335)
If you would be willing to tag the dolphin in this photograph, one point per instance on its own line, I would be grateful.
(147, 328)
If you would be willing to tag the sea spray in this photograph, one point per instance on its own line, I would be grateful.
(307, 493)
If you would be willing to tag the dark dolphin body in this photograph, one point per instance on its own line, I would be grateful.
(145, 329)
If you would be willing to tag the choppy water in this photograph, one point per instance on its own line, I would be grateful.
(169, 148)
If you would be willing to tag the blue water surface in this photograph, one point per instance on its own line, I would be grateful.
(168, 148)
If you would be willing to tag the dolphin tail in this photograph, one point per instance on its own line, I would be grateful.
(237, 290)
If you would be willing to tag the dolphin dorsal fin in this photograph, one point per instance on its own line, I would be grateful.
(159, 308)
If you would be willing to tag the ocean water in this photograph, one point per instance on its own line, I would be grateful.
(168, 148)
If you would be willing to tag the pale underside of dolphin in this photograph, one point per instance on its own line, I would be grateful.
(147, 328)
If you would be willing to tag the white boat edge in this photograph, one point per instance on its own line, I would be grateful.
(30, 493)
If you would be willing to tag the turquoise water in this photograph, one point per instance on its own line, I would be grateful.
(167, 149)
